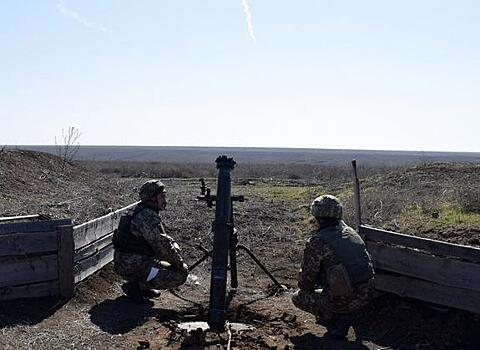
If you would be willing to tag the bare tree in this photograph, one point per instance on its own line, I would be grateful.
(69, 145)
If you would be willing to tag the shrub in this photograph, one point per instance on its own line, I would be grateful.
(468, 198)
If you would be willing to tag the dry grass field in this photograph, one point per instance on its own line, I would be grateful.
(439, 201)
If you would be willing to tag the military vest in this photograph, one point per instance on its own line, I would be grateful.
(350, 252)
(123, 239)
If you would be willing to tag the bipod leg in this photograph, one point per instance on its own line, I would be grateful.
(230, 295)
(254, 258)
(233, 261)
(202, 259)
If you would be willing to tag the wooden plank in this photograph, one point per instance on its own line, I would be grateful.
(65, 261)
(440, 270)
(435, 247)
(430, 292)
(28, 243)
(88, 266)
(16, 271)
(42, 289)
(93, 247)
(23, 217)
(93, 230)
(39, 226)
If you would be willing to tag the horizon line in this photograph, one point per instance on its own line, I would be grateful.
(257, 147)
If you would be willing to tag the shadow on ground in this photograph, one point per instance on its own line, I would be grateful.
(28, 311)
(401, 323)
(389, 322)
(121, 315)
(311, 341)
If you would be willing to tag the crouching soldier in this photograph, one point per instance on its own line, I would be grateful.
(145, 255)
(336, 276)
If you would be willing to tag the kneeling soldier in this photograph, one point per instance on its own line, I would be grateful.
(145, 255)
(336, 276)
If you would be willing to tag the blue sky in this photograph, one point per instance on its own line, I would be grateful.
(320, 74)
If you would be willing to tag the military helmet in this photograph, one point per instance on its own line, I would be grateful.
(151, 188)
(326, 207)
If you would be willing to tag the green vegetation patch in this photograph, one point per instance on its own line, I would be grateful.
(296, 197)
(437, 216)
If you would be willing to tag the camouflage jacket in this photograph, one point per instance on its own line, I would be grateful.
(316, 252)
(318, 256)
(148, 224)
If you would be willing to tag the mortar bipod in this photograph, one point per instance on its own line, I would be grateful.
(234, 245)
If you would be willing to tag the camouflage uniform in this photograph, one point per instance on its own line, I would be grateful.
(315, 295)
(134, 267)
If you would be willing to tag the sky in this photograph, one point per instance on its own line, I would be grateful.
(337, 74)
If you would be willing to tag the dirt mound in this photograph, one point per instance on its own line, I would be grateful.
(437, 201)
(40, 183)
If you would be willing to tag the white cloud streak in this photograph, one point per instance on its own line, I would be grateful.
(80, 19)
(248, 14)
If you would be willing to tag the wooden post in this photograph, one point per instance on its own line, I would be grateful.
(65, 260)
(356, 197)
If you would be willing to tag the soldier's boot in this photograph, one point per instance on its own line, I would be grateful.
(151, 293)
(134, 293)
(338, 328)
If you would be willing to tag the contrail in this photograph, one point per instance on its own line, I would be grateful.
(80, 19)
(246, 9)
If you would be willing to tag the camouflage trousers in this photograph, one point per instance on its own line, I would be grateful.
(325, 307)
(136, 268)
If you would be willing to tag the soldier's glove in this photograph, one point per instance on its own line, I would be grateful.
(185, 267)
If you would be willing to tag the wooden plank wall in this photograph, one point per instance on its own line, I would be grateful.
(93, 243)
(46, 258)
(30, 259)
(467, 253)
(425, 269)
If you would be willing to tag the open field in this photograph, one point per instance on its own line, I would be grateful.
(252, 155)
(431, 200)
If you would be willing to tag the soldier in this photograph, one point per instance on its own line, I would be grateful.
(145, 255)
(336, 276)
